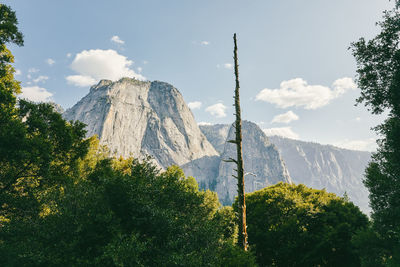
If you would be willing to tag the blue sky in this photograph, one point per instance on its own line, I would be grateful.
(295, 67)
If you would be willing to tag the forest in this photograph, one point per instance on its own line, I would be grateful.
(65, 200)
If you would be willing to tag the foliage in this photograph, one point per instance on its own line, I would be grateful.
(8, 26)
(371, 248)
(40, 151)
(292, 225)
(9, 33)
(140, 218)
(378, 68)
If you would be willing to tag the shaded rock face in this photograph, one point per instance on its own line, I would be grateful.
(260, 158)
(216, 134)
(324, 166)
(135, 118)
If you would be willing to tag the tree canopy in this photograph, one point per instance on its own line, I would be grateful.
(378, 69)
(293, 225)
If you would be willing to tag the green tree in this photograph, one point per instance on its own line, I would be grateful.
(378, 69)
(119, 216)
(293, 225)
(44, 155)
(38, 147)
(9, 33)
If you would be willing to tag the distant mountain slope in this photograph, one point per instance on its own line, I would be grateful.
(260, 157)
(261, 160)
(324, 166)
(315, 165)
(216, 134)
(134, 118)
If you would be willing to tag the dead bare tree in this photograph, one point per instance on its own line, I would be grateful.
(242, 238)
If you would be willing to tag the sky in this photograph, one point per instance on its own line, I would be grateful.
(297, 74)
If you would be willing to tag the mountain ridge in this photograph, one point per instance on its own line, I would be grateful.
(138, 118)
(134, 118)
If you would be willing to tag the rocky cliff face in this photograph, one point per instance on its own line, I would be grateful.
(262, 162)
(216, 134)
(135, 118)
(324, 166)
(315, 165)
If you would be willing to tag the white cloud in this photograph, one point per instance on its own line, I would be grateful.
(358, 119)
(204, 42)
(283, 131)
(285, 117)
(96, 64)
(204, 123)
(194, 105)
(117, 40)
(50, 61)
(145, 62)
(340, 86)
(298, 93)
(41, 78)
(228, 66)
(80, 80)
(36, 94)
(69, 55)
(363, 145)
(139, 69)
(33, 70)
(217, 110)
(17, 72)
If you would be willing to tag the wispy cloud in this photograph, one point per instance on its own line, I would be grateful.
(36, 94)
(283, 131)
(285, 117)
(203, 123)
(41, 78)
(204, 42)
(117, 40)
(217, 110)
(33, 70)
(298, 93)
(362, 144)
(81, 80)
(194, 105)
(50, 61)
(225, 66)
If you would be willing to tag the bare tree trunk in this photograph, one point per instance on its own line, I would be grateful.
(242, 239)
